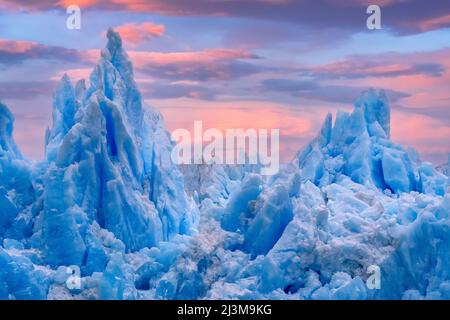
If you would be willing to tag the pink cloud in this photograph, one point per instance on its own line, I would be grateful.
(387, 65)
(206, 65)
(136, 33)
(430, 136)
(17, 51)
(403, 15)
(74, 74)
(423, 76)
(13, 46)
(430, 23)
(140, 58)
(366, 3)
(296, 128)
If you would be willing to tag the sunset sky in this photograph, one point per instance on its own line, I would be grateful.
(240, 64)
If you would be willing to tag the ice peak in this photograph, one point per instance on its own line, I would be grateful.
(6, 119)
(358, 146)
(63, 91)
(325, 131)
(7, 143)
(65, 79)
(65, 104)
(80, 89)
(115, 56)
(376, 110)
(115, 53)
(114, 41)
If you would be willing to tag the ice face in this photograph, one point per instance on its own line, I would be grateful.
(107, 164)
(16, 189)
(376, 112)
(358, 146)
(112, 157)
(65, 106)
(7, 143)
(445, 168)
(108, 200)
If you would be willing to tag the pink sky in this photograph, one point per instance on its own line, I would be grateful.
(240, 64)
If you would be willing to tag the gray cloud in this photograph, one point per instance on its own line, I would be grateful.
(172, 91)
(219, 70)
(315, 91)
(399, 15)
(25, 90)
(15, 52)
(358, 67)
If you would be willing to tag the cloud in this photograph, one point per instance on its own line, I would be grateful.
(74, 74)
(25, 90)
(14, 52)
(357, 67)
(429, 135)
(30, 4)
(206, 65)
(434, 23)
(426, 89)
(288, 85)
(348, 94)
(176, 90)
(443, 114)
(205, 56)
(136, 33)
(320, 92)
(295, 130)
(404, 16)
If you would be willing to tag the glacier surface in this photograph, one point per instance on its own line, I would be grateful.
(108, 204)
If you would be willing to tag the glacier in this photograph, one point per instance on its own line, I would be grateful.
(108, 202)
(445, 168)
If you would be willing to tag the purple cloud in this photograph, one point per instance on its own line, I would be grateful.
(315, 91)
(14, 52)
(404, 16)
(358, 67)
(173, 91)
(206, 65)
(24, 90)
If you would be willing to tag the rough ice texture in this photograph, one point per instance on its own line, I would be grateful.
(445, 168)
(108, 199)
(359, 146)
